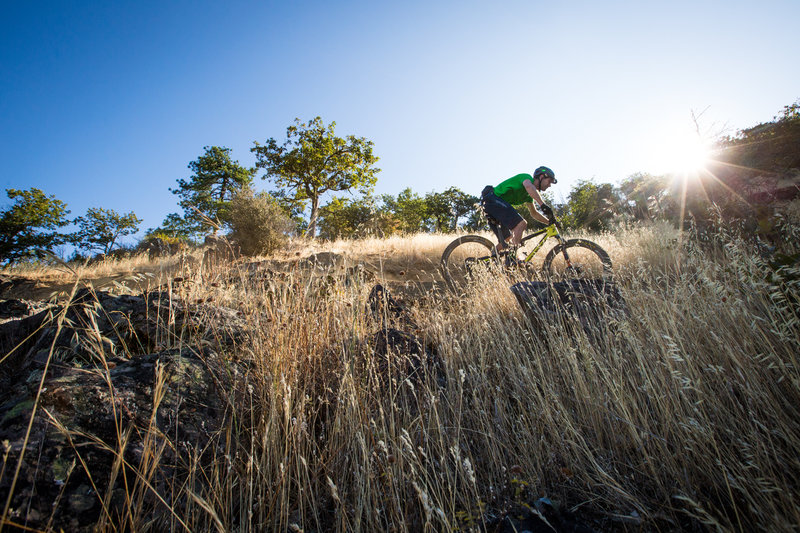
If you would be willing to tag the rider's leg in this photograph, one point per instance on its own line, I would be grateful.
(516, 233)
(504, 216)
(502, 243)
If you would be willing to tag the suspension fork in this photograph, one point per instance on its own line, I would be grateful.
(563, 241)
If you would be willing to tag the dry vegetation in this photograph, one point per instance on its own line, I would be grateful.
(684, 417)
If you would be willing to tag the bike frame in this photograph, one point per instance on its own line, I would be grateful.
(552, 230)
(548, 232)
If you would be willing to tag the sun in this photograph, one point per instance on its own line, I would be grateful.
(690, 154)
(683, 153)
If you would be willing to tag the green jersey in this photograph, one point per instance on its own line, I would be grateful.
(513, 191)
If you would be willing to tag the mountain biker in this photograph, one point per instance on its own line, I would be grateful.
(497, 202)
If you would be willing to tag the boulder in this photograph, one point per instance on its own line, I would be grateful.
(397, 344)
(541, 516)
(18, 308)
(322, 261)
(591, 303)
(220, 249)
(158, 412)
(98, 324)
(103, 378)
(15, 284)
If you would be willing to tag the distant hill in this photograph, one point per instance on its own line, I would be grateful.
(762, 163)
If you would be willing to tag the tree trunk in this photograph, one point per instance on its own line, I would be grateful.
(312, 221)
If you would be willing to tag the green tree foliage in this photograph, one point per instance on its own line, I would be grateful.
(258, 223)
(100, 229)
(207, 194)
(772, 147)
(313, 161)
(293, 208)
(355, 217)
(341, 217)
(591, 206)
(174, 229)
(645, 195)
(475, 222)
(30, 224)
(409, 209)
(444, 209)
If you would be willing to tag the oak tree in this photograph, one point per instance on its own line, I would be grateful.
(313, 160)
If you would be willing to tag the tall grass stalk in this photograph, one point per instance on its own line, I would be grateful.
(682, 414)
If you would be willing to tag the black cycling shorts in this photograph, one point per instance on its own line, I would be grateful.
(500, 210)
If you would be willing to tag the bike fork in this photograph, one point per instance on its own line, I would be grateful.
(566, 255)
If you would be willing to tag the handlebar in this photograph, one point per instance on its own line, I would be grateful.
(551, 216)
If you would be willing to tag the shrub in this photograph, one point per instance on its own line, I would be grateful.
(258, 224)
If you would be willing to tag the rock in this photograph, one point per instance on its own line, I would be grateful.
(97, 323)
(85, 418)
(387, 310)
(15, 284)
(220, 249)
(401, 355)
(358, 275)
(594, 303)
(401, 352)
(15, 308)
(322, 261)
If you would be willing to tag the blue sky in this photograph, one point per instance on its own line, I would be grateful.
(103, 104)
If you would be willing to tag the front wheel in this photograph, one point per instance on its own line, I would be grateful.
(577, 259)
(464, 258)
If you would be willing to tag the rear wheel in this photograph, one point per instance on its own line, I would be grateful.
(577, 259)
(464, 259)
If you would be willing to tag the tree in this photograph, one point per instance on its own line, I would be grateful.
(313, 161)
(208, 192)
(476, 222)
(174, 227)
(645, 195)
(355, 217)
(30, 224)
(446, 208)
(100, 228)
(342, 217)
(410, 210)
(591, 206)
(771, 147)
(293, 208)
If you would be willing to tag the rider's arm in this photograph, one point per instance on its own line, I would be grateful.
(536, 198)
(537, 215)
(532, 192)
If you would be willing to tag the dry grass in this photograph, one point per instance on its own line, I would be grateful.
(684, 416)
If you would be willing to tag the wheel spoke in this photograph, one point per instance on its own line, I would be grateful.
(578, 259)
(467, 259)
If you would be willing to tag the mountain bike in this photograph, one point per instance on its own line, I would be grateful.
(467, 256)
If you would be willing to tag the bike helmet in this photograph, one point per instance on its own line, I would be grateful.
(544, 172)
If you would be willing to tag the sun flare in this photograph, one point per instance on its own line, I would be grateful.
(684, 153)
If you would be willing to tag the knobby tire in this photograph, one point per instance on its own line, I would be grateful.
(446, 264)
(601, 254)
